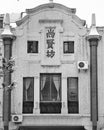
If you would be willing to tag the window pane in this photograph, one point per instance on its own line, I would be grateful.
(57, 86)
(71, 47)
(45, 88)
(73, 89)
(53, 91)
(28, 89)
(72, 107)
(1, 23)
(32, 47)
(68, 46)
(50, 91)
(50, 88)
(72, 95)
(28, 95)
(35, 46)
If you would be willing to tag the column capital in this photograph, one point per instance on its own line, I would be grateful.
(93, 38)
(93, 42)
(8, 36)
(7, 41)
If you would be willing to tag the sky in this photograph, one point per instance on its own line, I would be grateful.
(84, 8)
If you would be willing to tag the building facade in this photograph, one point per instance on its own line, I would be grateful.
(58, 72)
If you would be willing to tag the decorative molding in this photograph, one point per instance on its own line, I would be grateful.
(54, 116)
(51, 21)
(80, 21)
(19, 22)
(51, 5)
(54, 119)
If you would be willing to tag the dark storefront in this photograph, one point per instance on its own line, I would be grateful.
(51, 128)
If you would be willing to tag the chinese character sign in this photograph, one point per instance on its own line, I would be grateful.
(50, 41)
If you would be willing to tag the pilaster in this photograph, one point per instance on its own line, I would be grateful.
(64, 109)
(36, 95)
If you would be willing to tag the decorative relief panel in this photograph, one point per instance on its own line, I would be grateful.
(50, 49)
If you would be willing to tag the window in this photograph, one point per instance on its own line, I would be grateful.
(28, 94)
(50, 90)
(32, 47)
(1, 23)
(73, 95)
(68, 47)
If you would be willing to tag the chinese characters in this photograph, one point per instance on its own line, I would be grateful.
(50, 41)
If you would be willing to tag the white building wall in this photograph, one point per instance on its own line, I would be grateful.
(1, 81)
(31, 65)
(66, 64)
(101, 80)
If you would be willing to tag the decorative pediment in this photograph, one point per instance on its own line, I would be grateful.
(51, 5)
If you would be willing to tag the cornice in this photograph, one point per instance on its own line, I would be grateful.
(51, 5)
(19, 22)
(81, 21)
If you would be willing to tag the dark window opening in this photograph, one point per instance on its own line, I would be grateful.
(50, 90)
(28, 95)
(1, 23)
(68, 47)
(32, 47)
(73, 105)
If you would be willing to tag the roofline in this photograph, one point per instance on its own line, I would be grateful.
(45, 6)
(19, 22)
(51, 5)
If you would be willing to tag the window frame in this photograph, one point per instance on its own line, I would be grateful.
(69, 51)
(1, 23)
(36, 42)
(51, 107)
(27, 107)
(73, 101)
(51, 74)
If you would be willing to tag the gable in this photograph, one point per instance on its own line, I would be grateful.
(51, 9)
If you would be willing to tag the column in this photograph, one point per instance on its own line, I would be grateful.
(7, 81)
(7, 37)
(64, 109)
(93, 39)
(93, 81)
(93, 42)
